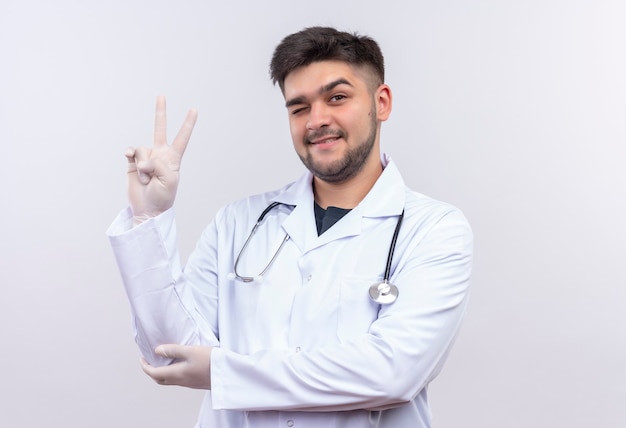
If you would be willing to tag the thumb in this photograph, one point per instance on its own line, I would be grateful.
(146, 169)
(171, 351)
(154, 168)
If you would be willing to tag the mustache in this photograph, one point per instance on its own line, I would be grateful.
(321, 133)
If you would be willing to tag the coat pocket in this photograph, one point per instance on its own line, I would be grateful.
(356, 310)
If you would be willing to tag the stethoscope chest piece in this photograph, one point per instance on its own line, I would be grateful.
(383, 293)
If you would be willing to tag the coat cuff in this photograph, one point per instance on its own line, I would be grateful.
(146, 251)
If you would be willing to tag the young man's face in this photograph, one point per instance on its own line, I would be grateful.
(334, 114)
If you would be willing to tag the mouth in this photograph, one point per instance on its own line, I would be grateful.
(324, 141)
(325, 138)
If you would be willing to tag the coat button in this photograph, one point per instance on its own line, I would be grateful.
(290, 423)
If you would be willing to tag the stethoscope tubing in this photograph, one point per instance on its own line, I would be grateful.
(245, 245)
(392, 248)
(382, 293)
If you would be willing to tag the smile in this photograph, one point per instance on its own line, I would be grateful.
(322, 141)
(324, 137)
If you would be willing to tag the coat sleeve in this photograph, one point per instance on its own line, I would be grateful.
(162, 305)
(388, 366)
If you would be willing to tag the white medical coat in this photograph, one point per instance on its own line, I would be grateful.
(306, 347)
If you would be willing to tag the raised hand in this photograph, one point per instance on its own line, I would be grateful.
(153, 173)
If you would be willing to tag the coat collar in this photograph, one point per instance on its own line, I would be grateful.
(385, 199)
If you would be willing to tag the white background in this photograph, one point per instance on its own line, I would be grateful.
(512, 110)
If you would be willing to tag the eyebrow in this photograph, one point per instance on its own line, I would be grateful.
(326, 88)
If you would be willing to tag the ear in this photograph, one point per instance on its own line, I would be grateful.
(383, 100)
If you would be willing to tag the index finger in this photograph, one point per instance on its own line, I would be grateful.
(184, 134)
(160, 123)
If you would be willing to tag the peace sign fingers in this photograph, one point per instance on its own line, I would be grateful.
(160, 128)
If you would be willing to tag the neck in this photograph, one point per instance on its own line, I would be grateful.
(350, 193)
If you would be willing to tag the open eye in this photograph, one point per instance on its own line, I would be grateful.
(337, 98)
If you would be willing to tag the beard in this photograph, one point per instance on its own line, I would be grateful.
(352, 162)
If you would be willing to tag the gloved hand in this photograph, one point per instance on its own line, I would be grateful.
(191, 366)
(153, 173)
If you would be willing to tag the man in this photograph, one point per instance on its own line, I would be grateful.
(340, 308)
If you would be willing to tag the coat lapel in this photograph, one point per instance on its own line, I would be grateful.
(386, 198)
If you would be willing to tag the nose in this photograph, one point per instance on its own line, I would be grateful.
(319, 116)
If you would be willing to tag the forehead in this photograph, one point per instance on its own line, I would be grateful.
(313, 77)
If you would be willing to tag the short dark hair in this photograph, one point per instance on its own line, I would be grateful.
(322, 44)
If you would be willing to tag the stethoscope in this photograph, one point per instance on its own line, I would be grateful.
(383, 292)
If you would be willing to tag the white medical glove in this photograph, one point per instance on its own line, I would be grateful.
(153, 173)
(191, 366)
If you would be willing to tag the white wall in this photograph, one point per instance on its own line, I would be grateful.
(512, 110)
